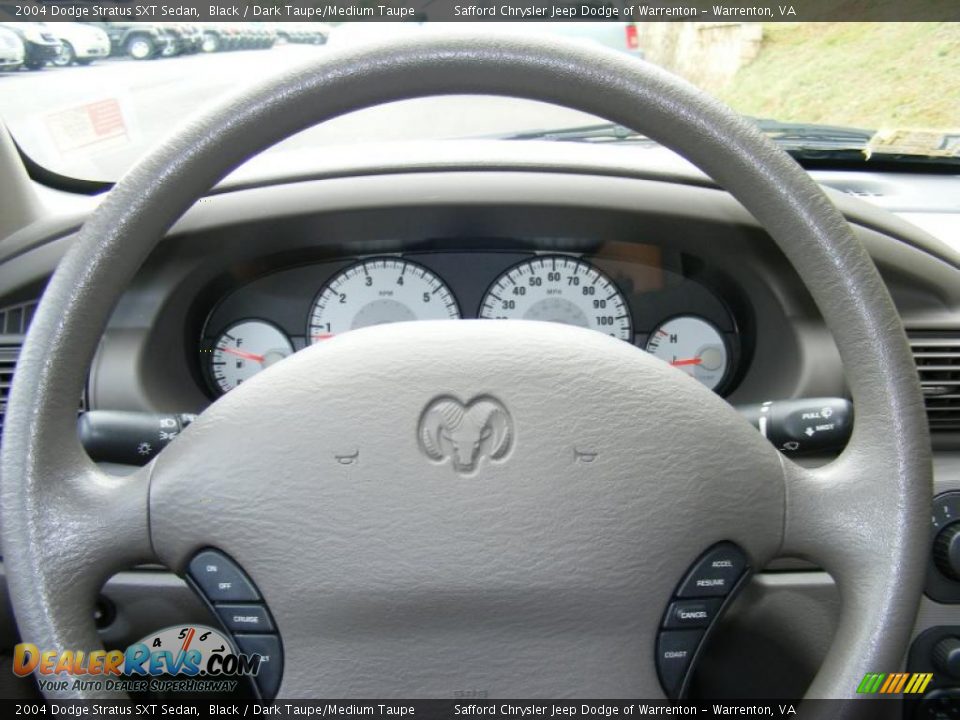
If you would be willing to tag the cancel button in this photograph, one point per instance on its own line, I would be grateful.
(691, 613)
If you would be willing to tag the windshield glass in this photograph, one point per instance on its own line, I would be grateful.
(87, 100)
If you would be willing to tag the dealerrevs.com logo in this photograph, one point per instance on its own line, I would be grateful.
(192, 658)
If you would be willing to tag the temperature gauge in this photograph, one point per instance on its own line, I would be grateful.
(244, 349)
(692, 345)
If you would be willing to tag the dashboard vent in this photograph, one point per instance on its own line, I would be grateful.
(937, 355)
(8, 361)
(15, 319)
(14, 323)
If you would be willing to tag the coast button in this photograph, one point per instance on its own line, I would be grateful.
(675, 651)
(220, 579)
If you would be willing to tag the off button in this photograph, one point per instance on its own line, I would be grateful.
(715, 574)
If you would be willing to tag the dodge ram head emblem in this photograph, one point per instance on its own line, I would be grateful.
(465, 432)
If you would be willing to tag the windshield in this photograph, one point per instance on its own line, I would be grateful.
(87, 100)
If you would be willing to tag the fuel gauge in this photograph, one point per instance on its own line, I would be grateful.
(244, 349)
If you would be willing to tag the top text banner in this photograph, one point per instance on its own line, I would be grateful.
(481, 10)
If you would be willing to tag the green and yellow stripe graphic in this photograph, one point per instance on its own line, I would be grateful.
(894, 683)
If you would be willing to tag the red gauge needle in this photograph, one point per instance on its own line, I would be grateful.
(687, 361)
(243, 354)
(323, 336)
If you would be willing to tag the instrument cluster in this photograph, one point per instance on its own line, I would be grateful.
(638, 299)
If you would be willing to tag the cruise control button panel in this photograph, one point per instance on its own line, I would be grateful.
(235, 600)
(700, 598)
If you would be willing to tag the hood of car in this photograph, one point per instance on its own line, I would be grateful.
(37, 33)
(8, 38)
(76, 32)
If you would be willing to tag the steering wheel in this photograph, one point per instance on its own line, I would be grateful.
(533, 575)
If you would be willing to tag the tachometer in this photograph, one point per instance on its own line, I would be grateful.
(692, 345)
(378, 291)
(559, 289)
(244, 349)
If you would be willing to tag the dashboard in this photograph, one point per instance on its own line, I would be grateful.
(638, 293)
(673, 255)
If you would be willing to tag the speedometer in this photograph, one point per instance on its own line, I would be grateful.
(379, 291)
(561, 289)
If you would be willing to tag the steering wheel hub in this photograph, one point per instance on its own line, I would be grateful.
(471, 536)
